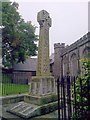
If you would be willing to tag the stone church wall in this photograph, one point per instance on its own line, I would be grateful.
(67, 58)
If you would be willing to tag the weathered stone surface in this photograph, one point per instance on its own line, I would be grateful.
(31, 106)
(43, 68)
(40, 100)
(43, 83)
(25, 110)
(67, 58)
(11, 99)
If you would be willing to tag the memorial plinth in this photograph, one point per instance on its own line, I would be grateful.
(43, 83)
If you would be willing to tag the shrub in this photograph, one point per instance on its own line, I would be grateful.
(83, 91)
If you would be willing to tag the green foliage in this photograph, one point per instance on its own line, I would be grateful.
(18, 36)
(82, 88)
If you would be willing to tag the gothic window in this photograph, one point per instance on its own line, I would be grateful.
(73, 65)
(65, 66)
(86, 52)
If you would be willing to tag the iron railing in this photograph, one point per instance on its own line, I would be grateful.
(69, 105)
(9, 86)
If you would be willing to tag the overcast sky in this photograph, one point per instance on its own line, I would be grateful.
(69, 19)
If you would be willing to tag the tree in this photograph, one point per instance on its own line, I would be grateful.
(18, 36)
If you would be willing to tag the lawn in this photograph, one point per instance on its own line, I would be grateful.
(8, 89)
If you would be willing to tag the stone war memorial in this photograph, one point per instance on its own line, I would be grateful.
(42, 97)
(43, 83)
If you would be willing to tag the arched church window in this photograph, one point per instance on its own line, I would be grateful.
(65, 65)
(86, 52)
(73, 65)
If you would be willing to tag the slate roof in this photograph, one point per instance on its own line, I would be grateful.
(28, 65)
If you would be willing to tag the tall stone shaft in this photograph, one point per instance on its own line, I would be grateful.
(43, 67)
(43, 83)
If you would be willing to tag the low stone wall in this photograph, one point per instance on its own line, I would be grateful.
(29, 99)
(11, 99)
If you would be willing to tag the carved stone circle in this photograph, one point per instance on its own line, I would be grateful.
(43, 18)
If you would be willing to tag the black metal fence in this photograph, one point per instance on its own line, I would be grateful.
(73, 98)
(9, 86)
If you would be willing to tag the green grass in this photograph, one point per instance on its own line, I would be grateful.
(9, 89)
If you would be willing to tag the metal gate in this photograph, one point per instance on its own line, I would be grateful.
(68, 105)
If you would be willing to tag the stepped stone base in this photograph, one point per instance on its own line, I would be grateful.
(41, 86)
(27, 106)
(40, 100)
(26, 110)
(22, 109)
